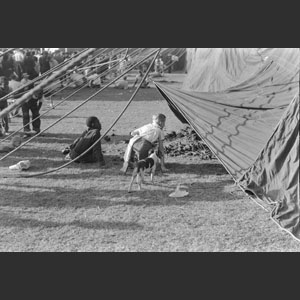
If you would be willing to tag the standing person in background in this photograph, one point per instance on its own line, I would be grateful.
(156, 65)
(29, 65)
(52, 61)
(1, 70)
(4, 90)
(66, 56)
(159, 66)
(8, 65)
(33, 104)
(44, 62)
(58, 57)
(122, 65)
(18, 58)
(174, 59)
(36, 63)
(139, 78)
(37, 54)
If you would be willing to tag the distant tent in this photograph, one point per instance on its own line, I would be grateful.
(217, 69)
(250, 124)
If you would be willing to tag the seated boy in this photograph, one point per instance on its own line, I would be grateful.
(85, 141)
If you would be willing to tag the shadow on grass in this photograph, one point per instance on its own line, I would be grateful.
(203, 168)
(61, 197)
(114, 163)
(40, 163)
(7, 220)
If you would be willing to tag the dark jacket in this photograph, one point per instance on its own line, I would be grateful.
(29, 67)
(44, 64)
(3, 92)
(87, 138)
(8, 67)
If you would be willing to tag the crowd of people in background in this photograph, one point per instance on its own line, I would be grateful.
(17, 68)
(33, 62)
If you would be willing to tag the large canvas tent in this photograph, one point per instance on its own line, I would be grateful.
(244, 103)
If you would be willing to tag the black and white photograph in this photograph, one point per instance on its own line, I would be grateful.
(149, 149)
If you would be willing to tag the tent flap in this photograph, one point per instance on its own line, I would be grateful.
(274, 177)
(252, 128)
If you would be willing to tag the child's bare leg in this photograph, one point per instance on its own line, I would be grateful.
(139, 181)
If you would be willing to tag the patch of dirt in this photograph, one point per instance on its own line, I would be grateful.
(186, 142)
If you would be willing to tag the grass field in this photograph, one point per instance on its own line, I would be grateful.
(84, 208)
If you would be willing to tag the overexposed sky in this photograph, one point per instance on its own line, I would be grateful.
(51, 49)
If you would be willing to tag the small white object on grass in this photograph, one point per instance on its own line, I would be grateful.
(178, 193)
(21, 165)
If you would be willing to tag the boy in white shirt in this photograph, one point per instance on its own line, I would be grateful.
(144, 139)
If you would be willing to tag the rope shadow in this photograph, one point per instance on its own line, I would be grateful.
(65, 138)
(115, 162)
